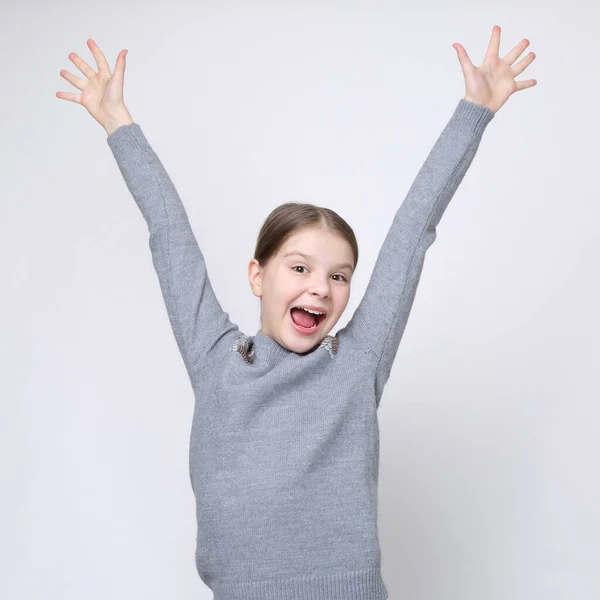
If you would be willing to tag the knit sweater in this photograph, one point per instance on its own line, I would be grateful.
(284, 447)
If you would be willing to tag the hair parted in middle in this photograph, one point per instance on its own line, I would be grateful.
(293, 217)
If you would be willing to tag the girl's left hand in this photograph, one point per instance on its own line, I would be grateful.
(493, 83)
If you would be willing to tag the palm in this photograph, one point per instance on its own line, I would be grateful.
(98, 93)
(102, 92)
(492, 83)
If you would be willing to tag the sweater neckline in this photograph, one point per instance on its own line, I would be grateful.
(265, 345)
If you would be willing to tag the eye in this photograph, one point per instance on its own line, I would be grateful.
(336, 275)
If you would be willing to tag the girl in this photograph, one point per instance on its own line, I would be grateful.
(284, 446)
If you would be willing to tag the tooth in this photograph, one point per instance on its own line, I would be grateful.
(312, 312)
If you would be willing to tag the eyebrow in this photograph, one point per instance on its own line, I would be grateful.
(307, 257)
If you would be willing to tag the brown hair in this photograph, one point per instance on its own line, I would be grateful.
(293, 217)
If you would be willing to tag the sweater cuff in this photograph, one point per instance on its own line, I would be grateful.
(127, 137)
(471, 115)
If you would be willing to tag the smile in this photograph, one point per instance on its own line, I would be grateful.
(307, 330)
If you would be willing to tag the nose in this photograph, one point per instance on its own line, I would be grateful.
(320, 287)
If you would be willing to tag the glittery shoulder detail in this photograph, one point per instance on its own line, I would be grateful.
(244, 345)
(331, 344)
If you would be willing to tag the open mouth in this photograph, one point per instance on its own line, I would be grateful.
(318, 320)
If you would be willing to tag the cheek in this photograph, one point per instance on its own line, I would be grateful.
(288, 284)
(343, 294)
(286, 290)
(342, 301)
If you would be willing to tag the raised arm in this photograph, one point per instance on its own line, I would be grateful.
(380, 319)
(197, 319)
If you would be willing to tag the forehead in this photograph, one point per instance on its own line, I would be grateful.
(316, 244)
(313, 240)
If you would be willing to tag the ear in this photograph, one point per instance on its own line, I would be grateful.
(255, 277)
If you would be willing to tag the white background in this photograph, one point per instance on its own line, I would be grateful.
(489, 477)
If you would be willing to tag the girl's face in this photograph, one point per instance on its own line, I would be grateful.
(320, 279)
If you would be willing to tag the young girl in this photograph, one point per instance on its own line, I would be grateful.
(284, 447)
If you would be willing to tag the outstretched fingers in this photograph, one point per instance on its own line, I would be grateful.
(463, 58)
(494, 45)
(73, 79)
(97, 53)
(516, 51)
(101, 62)
(523, 64)
(522, 85)
(82, 65)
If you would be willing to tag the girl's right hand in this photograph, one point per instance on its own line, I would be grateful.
(102, 93)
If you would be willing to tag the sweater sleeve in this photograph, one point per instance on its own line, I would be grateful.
(197, 319)
(380, 319)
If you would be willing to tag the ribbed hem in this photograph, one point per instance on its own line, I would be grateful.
(468, 114)
(366, 584)
(129, 137)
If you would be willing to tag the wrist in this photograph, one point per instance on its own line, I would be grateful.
(116, 120)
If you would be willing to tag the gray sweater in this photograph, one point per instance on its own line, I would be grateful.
(284, 447)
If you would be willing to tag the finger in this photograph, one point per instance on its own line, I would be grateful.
(100, 58)
(69, 96)
(82, 65)
(523, 64)
(463, 57)
(120, 64)
(494, 46)
(522, 85)
(72, 79)
(516, 51)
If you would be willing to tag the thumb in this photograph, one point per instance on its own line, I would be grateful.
(120, 66)
(463, 57)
